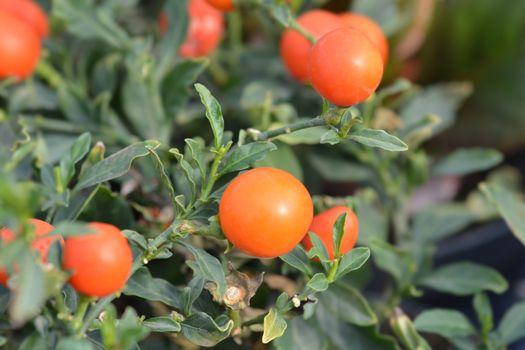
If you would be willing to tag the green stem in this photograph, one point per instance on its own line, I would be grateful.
(297, 27)
(94, 312)
(256, 320)
(235, 315)
(333, 271)
(49, 74)
(303, 124)
(235, 36)
(213, 176)
(219, 74)
(391, 304)
(62, 312)
(79, 315)
(292, 23)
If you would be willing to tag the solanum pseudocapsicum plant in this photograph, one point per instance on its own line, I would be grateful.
(122, 86)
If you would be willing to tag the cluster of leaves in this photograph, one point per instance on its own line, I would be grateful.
(122, 87)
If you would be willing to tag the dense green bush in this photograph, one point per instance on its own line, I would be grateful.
(114, 126)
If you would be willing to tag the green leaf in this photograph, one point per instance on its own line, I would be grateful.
(318, 248)
(143, 285)
(298, 259)
(30, 292)
(406, 332)
(392, 260)
(441, 221)
(372, 219)
(379, 139)
(509, 205)
(74, 344)
(447, 323)
(201, 329)
(191, 292)
(338, 231)
(178, 23)
(512, 325)
(12, 251)
(397, 87)
(35, 342)
(78, 150)
(318, 282)
(102, 205)
(213, 113)
(274, 326)
(197, 154)
(163, 175)
(115, 165)
(4, 299)
(483, 310)
(353, 260)
(176, 85)
(140, 96)
(129, 330)
(282, 158)
(339, 333)
(208, 267)
(331, 137)
(32, 96)
(464, 344)
(282, 301)
(185, 183)
(300, 334)
(347, 304)
(335, 168)
(244, 156)
(308, 136)
(467, 161)
(442, 100)
(465, 278)
(69, 228)
(137, 239)
(281, 13)
(90, 22)
(163, 324)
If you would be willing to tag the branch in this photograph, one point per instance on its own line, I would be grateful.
(303, 124)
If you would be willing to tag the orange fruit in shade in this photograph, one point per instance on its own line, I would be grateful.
(19, 47)
(371, 29)
(322, 225)
(265, 212)
(29, 12)
(100, 262)
(294, 46)
(206, 27)
(345, 67)
(223, 5)
(40, 244)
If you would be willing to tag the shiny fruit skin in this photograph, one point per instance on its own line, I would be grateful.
(205, 29)
(223, 5)
(19, 47)
(294, 46)
(100, 262)
(29, 12)
(41, 244)
(265, 212)
(345, 67)
(371, 29)
(323, 223)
